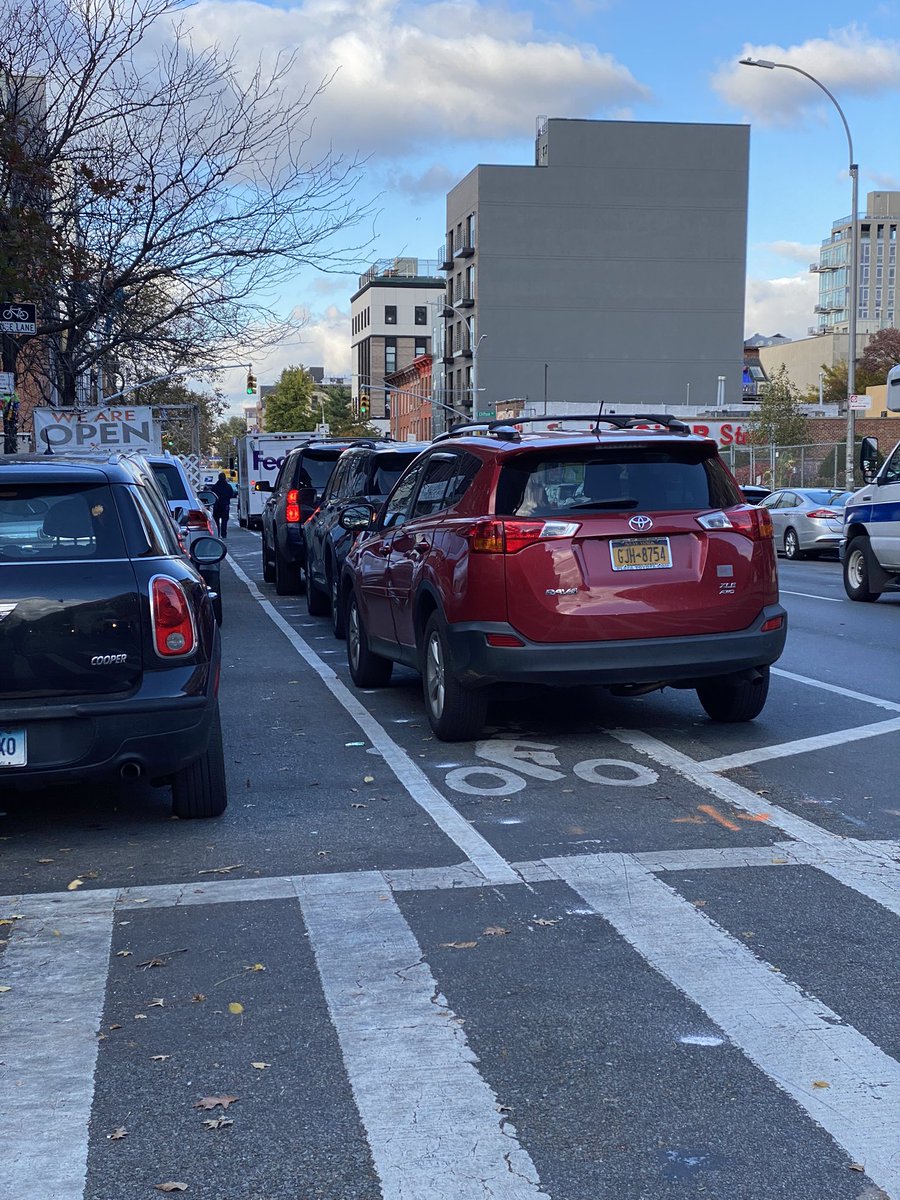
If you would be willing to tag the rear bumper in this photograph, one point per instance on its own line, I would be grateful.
(680, 661)
(292, 543)
(161, 729)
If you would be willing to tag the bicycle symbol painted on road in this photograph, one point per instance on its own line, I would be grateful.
(508, 760)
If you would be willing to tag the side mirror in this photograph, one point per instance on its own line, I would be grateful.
(207, 498)
(207, 551)
(356, 517)
(308, 497)
(893, 389)
(868, 458)
(262, 485)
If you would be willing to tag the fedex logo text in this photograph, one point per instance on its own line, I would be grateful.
(266, 461)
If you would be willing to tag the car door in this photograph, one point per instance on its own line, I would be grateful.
(445, 479)
(374, 554)
(773, 503)
(884, 519)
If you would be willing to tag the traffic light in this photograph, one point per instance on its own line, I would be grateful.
(251, 384)
(364, 405)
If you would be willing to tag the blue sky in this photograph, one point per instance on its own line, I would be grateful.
(425, 91)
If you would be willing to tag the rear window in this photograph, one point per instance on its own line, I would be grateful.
(621, 479)
(316, 467)
(387, 470)
(48, 523)
(169, 480)
(826, 496)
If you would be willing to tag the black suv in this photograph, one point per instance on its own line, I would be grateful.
(364, 472)
(109, 646)
(297, 489)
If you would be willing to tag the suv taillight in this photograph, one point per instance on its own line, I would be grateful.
(292, 508)
(508, 537)
(754, 523)
(173, 626)
(197, 519)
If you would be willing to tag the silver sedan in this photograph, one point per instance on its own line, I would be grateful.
(807, 521)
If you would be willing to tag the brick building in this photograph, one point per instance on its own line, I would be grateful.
(410, 391)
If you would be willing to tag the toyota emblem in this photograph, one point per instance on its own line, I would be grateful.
(640, 523)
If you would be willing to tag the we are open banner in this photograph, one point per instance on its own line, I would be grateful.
(97, 429)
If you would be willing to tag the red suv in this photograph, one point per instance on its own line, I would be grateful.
(624, 556)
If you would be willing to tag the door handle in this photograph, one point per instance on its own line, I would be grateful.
(422, 545)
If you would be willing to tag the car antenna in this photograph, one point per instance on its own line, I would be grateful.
(45, 434)
(597, 422)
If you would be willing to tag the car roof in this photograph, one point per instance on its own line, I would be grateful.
(70, 468)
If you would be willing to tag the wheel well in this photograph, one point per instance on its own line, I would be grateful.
(854, 531)
(425, 606)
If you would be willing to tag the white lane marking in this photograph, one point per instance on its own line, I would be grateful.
(836, 690)
(868, 868)
(458, 779)
(822, 741)
(792, 1037)
(810, 596)
(476, 848)
(432, 1122)
(48, 1045)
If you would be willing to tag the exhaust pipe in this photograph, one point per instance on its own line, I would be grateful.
(131, 770)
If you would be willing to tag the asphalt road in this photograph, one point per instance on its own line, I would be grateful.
(610, 951)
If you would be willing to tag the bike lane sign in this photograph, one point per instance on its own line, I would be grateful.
(18, 318)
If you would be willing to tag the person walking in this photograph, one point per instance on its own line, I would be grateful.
(224, 493)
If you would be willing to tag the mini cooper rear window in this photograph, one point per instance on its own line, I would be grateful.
(48, 523)
(618, 479)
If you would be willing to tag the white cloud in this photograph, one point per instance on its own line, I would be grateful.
(888, 183)
(796, 251)
(847, 62)
(406, 76)
(436, 180)
(781, 305)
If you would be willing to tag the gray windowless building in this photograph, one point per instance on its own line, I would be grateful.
(613, 269)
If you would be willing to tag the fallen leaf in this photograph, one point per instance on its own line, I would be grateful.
(235, 1008)
(779, 861)
(699, 903)
(221, 870)
(5, 988)
(459, 945)
(855, 1167)
(502, 1108)
(821, 1083)
(9, 920)
(159, 1057)
(368, 778)
(123, 953)
(172, 1186)
(160, 1003)
(322, 853)
(117, 1134)
(115, 1026)
(76, 883)
(198, 998)
(209, 1102)
(45, 860)
(359, 806)
(140, 1016)
(545, 921)
(260, 1066)
(217, 1122)
(152, 962)
(496, 931)
(255, 967)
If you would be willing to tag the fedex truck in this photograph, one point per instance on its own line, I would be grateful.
(259, 456)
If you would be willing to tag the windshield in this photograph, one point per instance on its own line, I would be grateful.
(58, 521)
(619, 479)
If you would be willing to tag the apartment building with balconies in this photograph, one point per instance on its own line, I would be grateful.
(877, 292)
(611, 270)
(391, 319)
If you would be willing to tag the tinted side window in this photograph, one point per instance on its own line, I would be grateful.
(891, 472)
(170, 482)
(440, 469)
(162, 520)
(386, 468)
(316, 467)
(468, 467)
(336, 484)
(396, 511)
(358, 482)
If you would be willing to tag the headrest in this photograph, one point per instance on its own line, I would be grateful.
(69, 518)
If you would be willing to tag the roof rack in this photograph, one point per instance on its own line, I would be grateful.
(507, 426)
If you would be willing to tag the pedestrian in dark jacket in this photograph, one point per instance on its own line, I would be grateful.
(223, 493)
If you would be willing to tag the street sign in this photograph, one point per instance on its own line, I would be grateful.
(17, 319)
(7, 383)
(859, 403)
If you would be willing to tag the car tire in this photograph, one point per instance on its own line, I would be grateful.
(288, 578)
(732, 700)
(367, 670)
(455, 713)
(317, 601)
(857, 571)
(268, 567)
(338, 616)
(242, 521)
(792, 545)
(199, 789)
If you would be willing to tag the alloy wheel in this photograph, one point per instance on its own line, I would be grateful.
(353, 635)
(434, 675)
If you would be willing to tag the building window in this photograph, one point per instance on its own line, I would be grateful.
(421, 317)
(421, 347)
(470, 230)
(390, 355)
(390, 314)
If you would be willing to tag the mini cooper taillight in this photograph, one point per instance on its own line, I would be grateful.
(508, 537)
(173, 625)
(754, 523)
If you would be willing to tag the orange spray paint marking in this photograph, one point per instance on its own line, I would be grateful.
(712, 811)
(753, 816)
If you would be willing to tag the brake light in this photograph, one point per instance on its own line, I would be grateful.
(754, 523)
(822, 514)
(508, 537)
(772, 624)
(292, 509)
(173, 625)
(197, 519)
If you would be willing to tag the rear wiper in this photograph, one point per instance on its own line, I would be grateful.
(618, 502)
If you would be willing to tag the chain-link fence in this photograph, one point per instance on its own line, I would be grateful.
(821, 464)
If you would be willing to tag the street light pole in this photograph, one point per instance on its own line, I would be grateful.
(853, 299)
(470, 325)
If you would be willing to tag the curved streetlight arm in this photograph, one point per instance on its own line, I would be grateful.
(853, 290)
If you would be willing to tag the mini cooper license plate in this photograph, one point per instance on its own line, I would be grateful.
(12, 748)
(640, 554)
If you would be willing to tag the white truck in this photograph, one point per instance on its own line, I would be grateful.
(259, 456)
